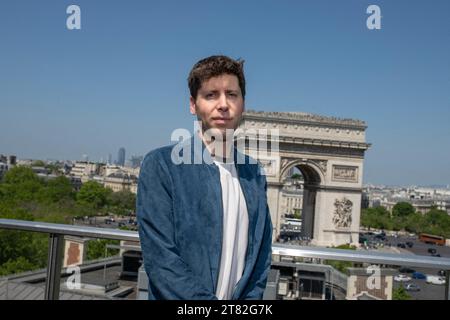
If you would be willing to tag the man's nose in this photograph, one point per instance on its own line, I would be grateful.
(223, 102)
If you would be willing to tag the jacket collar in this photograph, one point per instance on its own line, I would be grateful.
(199, 153)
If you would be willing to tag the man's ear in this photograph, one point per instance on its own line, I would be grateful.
(192, 105)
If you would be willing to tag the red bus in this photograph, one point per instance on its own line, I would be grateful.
(432, 239)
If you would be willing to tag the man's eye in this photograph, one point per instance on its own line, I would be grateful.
(209, 95)
(232, 94)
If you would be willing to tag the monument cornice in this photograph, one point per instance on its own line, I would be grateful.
(304, 119)
(333, 188)
(322, 142)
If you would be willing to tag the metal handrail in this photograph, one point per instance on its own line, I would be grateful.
(405, 260)
(69, 230)
(58, 231)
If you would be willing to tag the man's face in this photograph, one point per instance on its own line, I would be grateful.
(219, 103)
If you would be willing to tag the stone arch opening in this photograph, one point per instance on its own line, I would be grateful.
(300, 180)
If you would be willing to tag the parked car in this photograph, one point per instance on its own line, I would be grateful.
(362, 240)
(432, 250)
(412, 287)
(419, 275)
(401, 245)
(402, 278)
(435, 280)
(109, 220)
(409, 244)
(406, 270)
(380, 236)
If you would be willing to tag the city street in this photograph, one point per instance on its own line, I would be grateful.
(427, 291)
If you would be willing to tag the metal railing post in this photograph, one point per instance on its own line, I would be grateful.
(447, 285)
(54, 263)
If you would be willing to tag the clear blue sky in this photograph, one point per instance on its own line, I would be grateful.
(121, 79)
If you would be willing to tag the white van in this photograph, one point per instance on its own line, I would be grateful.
(435, 280)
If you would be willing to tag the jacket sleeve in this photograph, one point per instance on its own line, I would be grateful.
(169, 276)
(257, 284)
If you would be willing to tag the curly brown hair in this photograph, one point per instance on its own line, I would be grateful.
(214, 66)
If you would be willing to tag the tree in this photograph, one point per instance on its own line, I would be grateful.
(21, 250)
(21, 184)
(24, 196)
(377, 218)
(297, 213)
(124, 201)
(406, 218)
(19, 175)
(21, 264)
(58, 189)
(436, 217)
(400, 294)
(437, 222)
(403, 209)
(414, 223)
(97, 249)
(92, 194)
(38, 163)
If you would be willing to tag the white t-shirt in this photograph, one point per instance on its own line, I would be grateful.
(235, 231)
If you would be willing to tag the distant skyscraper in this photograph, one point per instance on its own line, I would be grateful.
(85, 157)
(110, 158)
(121, 157)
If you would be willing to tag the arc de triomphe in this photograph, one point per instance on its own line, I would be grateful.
(329, 152)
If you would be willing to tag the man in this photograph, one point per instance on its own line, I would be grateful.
(204, 224)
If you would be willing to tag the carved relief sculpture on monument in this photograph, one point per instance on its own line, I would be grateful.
(342, 217)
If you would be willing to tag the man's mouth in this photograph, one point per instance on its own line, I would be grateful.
(221, 119)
